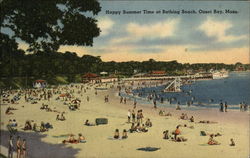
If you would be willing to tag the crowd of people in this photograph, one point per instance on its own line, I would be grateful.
(136, 117)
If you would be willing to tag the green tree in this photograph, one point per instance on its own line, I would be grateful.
(45, 25)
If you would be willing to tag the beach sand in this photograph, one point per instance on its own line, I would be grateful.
(233, 124)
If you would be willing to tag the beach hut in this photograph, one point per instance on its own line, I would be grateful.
(91, 77)
(39, 84)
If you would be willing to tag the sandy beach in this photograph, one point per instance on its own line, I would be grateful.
(233, 124)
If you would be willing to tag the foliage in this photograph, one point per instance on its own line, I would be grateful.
(45, 25)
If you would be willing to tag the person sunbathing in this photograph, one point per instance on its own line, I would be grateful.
(191, 119)
(206, 121)
(178, 107)
(138, 127)
(191, 127)
(42, 127)
(211, 141)
(180, 139)
(10, 123)
(182, 116)
(27, 126)
(87, 123)
(132, 128)
(71, 139)
(34, 127)
(148, 123)
(168, 114)
(124, 134)
(62, 117)
(161, 113)
(165, 134)
(48, 125)
(232, 142)
(14, 123)
(203, 133)
(116, 135)
(8, 112)
(143, 128)
(81, 138)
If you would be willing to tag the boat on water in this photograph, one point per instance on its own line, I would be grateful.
(220, 74)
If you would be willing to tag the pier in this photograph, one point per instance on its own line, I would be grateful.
(174, 83)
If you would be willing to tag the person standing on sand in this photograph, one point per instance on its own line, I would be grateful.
(154, 103)
(225, 106)
(177, 132)
(23, 149)
(129, 115)
(133, 116)
(11, 148)
(221, 107)
(18, 146)
(121, 99)
(135, 102)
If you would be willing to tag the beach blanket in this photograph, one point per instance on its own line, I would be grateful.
(149, 149)
(99, 121)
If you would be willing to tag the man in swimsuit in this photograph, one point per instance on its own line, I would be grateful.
(11, 148)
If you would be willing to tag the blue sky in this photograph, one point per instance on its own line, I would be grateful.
(194, 38)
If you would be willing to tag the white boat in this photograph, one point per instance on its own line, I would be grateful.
(220, 74)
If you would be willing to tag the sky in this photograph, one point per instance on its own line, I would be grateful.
(204, 37)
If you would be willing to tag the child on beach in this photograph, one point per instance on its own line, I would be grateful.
(116, 135)
(148, 123)
(211, 141)
(232, 142)
(81, 138)
(124, 134)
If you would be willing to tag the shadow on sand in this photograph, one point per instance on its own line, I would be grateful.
(36, 148)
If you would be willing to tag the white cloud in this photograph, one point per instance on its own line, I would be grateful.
(158, 30)
(213, 28)
(136, 31)
(105, 24)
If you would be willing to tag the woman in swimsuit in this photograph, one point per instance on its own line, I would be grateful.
(81, 138)
(18, 146)
(23, 149)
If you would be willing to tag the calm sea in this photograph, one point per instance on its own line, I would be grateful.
(204, 93)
